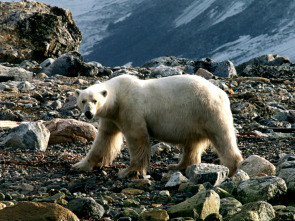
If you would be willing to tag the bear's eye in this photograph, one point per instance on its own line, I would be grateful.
(83, 102)
(94, 101)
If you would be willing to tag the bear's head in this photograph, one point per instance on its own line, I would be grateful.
(91, 100)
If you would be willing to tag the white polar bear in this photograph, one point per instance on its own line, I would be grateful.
(186, 110)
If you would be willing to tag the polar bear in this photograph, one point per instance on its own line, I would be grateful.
(185, 109)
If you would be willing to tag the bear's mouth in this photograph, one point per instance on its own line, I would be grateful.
(88, 114)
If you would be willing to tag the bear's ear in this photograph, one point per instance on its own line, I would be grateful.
(77, 93)
(104, 93)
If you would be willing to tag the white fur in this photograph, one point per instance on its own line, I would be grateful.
(186, 110)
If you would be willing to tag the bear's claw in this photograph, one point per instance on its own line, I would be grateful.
(82, 165)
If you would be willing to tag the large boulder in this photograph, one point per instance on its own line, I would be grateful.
(14, 73)
(255, 211)
(221, 69)
(256, 166)
(71, 65)
(35, 31)
(32, 135)
(267, 188)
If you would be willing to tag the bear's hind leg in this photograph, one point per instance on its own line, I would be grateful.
(140, 153)
(105, 148)
(191, 154)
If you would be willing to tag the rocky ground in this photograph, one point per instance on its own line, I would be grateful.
(264, 117)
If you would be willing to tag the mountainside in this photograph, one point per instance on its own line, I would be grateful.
(117, 32)
(236, 30)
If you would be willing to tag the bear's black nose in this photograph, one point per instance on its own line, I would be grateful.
(88, 114)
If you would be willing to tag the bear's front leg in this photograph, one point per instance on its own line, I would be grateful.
(105, 148)
(140, 154)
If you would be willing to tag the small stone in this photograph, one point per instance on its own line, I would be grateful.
(142, 184)
(86, 207)
(154, 214)
(176, 179)
(132, 191)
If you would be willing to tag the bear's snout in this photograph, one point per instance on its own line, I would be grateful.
(88, 114)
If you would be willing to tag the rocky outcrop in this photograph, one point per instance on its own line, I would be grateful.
(33, 31)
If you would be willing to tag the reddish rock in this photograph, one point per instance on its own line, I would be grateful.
(70, 130)
(28, 211)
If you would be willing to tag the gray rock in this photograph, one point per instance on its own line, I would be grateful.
(199, 206)
(86, 207)
(203, 172)
(47, 62)
(268, 59)
(255, 211)
(14, 74)
(221, 69)
(285, 115)
(70, 65)
(170, 61)
(162, 197)
(95, 63)
(285, 158)
(159, 148)
(25, 86)
(229, 206)
(125, 71)
(269, 71)
(176, 179)
(32, 135)
(268, 188)
(286, 171)
(165, 71)
(239, 177)
(285, 212)
(32, 66)
(11, 115)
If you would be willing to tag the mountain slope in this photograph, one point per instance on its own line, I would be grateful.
(235, 30)
(116, 32)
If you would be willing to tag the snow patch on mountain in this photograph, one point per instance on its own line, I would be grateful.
(233, 9)
(122, 18)
(192, 11)
(246, 47)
